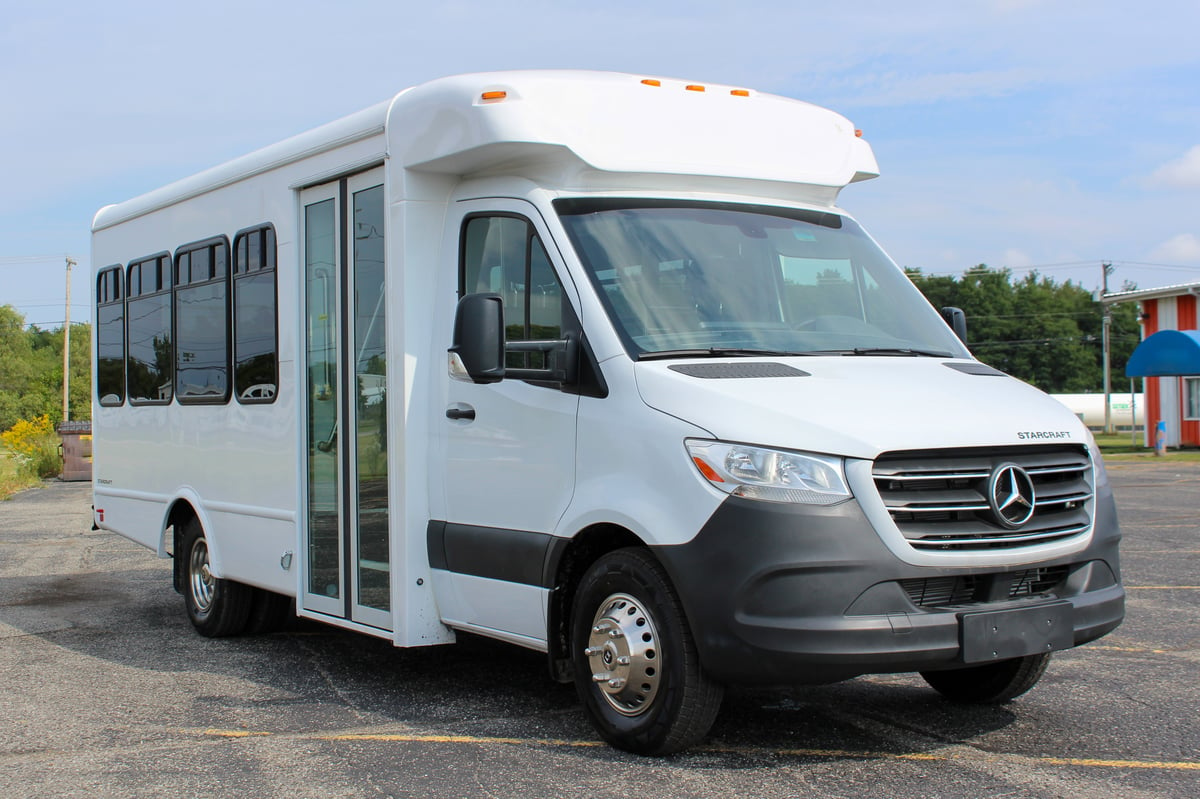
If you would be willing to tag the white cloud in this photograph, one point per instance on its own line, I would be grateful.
(1182, 173)
(1181, 249)
(1016, 259)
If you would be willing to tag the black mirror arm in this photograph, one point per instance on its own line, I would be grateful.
(562, 355)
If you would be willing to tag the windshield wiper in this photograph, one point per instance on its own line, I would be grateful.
(716, 352)
(900, 351)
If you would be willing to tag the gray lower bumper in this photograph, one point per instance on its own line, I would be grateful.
(780, 594)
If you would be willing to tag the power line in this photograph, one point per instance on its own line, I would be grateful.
(1092, 313)
(1178, 267)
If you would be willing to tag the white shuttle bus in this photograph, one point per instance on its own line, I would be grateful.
(594, 364)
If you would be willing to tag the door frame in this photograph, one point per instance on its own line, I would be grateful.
(345, 604)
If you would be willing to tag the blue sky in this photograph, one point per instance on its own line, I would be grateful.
(1028, 134)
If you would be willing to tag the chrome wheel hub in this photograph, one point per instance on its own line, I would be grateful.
(623, 655)
(202, 581)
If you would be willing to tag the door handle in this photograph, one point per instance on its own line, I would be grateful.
(461, 414)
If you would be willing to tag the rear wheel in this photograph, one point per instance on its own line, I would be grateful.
(637, 670)
(992, 683)
(216, 607)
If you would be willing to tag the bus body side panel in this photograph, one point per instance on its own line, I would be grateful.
(238, 462)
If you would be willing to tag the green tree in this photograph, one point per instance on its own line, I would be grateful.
(1040, 331)
(31, 370)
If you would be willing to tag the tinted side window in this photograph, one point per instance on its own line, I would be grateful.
(504, 255)
(255, 316)
(110, 336)
(150, 345)
(202, 321)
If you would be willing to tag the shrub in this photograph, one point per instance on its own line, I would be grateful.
(35, 445)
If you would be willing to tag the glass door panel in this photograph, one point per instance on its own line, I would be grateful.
(369, 412)
(347, 544)
(323, 546)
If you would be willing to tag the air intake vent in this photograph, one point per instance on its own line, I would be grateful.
(969, 589)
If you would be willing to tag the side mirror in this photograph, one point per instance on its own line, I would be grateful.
(957, 321)
(478, 351)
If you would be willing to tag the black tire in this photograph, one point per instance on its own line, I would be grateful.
(637, 670)
(269, 612)
(991, 683)
(216, 607)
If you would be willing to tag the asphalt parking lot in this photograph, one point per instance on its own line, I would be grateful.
(105, 691)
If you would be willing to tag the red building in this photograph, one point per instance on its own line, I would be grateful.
(1174, 395)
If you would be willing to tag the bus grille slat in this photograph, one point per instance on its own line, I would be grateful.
(939, 499)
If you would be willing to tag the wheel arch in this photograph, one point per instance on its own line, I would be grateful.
(566, 563)
(183, 508)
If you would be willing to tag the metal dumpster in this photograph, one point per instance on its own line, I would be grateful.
(76, 450)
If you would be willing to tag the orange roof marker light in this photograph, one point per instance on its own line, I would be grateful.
(694, 87)
(493, 96)
(651, 82)
(858, 133)
(740, 92)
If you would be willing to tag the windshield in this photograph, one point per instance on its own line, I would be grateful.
(684, 279)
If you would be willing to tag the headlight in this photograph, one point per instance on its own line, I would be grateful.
(770, 474)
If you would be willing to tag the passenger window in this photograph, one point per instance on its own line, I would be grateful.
(150, 345)
(202, 321)
(255, 343)
(505, 256)
(110, 337)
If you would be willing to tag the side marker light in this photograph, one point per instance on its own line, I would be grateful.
(706, 470)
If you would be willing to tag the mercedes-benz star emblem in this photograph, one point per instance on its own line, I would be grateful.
(1010, 495)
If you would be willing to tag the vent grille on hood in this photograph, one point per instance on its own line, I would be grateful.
(736, 371)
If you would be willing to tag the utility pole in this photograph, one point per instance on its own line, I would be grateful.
(66, 401)
(1107, 326)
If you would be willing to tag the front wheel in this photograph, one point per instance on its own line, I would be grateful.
(991, 683)
(216, 607)
(637, 670)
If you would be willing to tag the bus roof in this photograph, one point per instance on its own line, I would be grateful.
(607, 122)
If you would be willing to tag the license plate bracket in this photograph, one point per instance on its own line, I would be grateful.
(1016, 632)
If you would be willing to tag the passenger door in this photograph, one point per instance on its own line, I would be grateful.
(509, 468)
(347, 569)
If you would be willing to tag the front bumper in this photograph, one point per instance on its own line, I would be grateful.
(789, 594)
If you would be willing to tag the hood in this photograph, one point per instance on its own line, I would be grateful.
(857, 406)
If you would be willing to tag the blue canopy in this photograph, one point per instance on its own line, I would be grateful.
(1167, 352)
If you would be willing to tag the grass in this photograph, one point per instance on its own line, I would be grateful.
(1124, 447)
(14, 476)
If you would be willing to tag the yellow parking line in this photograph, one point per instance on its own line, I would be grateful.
(1136, 649)
(452, 739)
(1166, 765)
(1083, 761)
